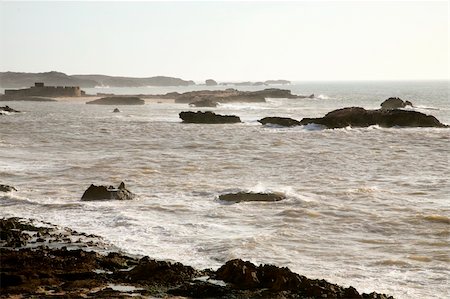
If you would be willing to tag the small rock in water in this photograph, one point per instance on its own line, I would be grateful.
(6, 188)
(116, 110)
(251, 196)
(104, 193)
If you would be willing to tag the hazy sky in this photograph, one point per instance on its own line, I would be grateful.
(229, 40)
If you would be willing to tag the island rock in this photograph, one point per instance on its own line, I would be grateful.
(251, 196)
(118, 100)
(116, 110)
(8, 110)
(210, 82)
(208, 117)
(360, 117)
(107, 193)
(279, 121)
(395, 103)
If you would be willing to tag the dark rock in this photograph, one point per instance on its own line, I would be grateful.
(118, 100)
(243, 275)
(210, 82)
(395, 103)
(251, 196)
(6, 188)
(351, 293)
(280, 121)
(160, 271)
(208, 118)
(360, 117)
(204, 103)
(105, 193)
(199, 289)
(116, 110)
(7, 109)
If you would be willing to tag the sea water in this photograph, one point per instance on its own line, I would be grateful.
(367, 207)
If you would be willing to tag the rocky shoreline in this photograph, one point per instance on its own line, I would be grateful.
(41, 260)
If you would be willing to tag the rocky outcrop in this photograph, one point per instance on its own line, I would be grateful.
(32, 269)
(232, 95)
(279, 121)
(210, 82)
(118, 100)
(360, 117)
(107, 193)
(116, 110)
(208, 117)
(395, 103)
(8, 110)
(204, 103)
(6, 188)
(251, 196)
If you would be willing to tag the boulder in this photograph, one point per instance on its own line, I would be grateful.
(251, 196)
(204, 103)
(118, 100)
(116, 110)
(107, 193)
(210, 82)
(360, 117)
(6, 188)
(207, 117)
(280, 121)
(395, 103)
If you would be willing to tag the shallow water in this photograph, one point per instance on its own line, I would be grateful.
(367, 207)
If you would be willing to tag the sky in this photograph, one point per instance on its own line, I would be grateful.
(234, 41)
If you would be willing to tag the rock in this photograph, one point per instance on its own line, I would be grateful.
(204, 103)
(210, 82)
(243, 275)
(160, 271)
(208, 117)
(251, 196)
(8, 109)
(6, 188)
(395, 103)
(280, 121)
(277, 82)
(360, 117)
(106, 193)
(118, 100)
(116, 110)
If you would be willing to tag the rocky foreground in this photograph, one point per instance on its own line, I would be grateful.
(40, 260)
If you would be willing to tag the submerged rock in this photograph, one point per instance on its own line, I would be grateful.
(6, 188)
(107, 193)
(280, 121)
(210, 82)
(118, 100)
(395, 103)
(251, 196)
(207, 117)
(360, 117)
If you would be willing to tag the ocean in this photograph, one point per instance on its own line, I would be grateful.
(367, 207)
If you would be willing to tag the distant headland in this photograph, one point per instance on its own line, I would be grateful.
(53, 78)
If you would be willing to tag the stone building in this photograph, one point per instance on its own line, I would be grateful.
(39, 89)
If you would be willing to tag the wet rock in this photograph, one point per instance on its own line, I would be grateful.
(279, 121)
(251, 196)
(118, 100)
(200, 289)
(116, 110)
(104, 193)
(208, 117)
(360, 117)
(7, 109)
(395, 103)
(152, 271)
(6, 188)
(204, 103)
(243, 275)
